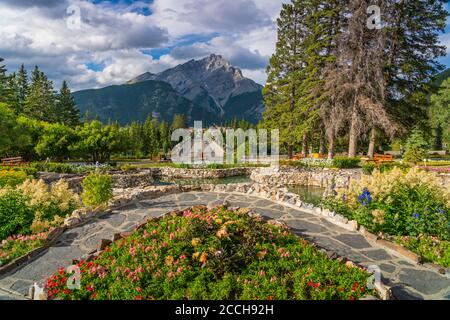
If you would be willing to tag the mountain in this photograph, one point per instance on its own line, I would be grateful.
(214, 84)
(441, 77)
(135, 102)
(210, 89)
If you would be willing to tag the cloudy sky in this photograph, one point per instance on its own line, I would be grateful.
(117, 40)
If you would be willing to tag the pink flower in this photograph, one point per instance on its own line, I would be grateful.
(183, 257)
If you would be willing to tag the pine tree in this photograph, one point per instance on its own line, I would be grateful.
(40, 102)
(6, 94)
(285, 74)
(413, 28)
(150, 137)
(179, 121)
(22, 87)
(66, 109)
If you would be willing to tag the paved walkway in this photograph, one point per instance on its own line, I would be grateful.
(409, 281)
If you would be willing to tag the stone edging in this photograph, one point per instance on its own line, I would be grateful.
(37, 291)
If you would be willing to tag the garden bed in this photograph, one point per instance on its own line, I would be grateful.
(410, 209)
(211, 254)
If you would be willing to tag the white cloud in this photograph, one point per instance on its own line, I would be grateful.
(113, 36)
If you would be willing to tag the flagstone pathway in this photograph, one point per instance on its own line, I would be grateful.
(408, 280)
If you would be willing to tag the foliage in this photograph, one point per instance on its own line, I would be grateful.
(430, 248)
(33, 203)
(369, 167)
(15, 216)
(345, 162)
(55, 141)
(416, 147)
(40, 102)
(68, 168)
(99, 141)
(397, 203)
(47, 203)
(67, 112)
(97, 189)
(216, 254)
(17, 246)
(336, 162)
(440, 112)
(12, 177)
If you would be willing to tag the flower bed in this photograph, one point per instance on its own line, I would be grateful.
(212, 254)
(410, 208)
(17, 246)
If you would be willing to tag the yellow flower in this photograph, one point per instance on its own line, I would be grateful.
(203, 257)
(195, 255)
(378, 216)
(222, 233)
(195, 242)
(169, 260)
(261, 254)
(219, 221)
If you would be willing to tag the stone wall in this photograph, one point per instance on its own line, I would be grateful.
(319, 177)
(146, 177)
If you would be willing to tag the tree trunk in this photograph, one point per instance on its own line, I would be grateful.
(290, 151)
(371, 150)
(353, 139)
(322, 144)
(305, 145)
(331, 149)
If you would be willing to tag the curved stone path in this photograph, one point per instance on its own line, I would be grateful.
(408, 280)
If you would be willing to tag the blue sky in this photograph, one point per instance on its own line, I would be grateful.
(117, 40)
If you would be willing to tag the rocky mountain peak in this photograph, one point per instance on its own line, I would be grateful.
(215, 62)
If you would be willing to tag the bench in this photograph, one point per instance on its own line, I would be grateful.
(298, 156)
(16, 161)
(380, 158)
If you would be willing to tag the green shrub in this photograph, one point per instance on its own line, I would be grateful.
(12, 177)
(416, 147)
(429, 248)
(15, 216)
(97, 189)
(65, 168)
(345, 162)
(367, 168)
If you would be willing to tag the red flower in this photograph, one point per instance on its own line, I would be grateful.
(310, 284)
(269, 298)
(361, 289)
(139, 298)
(351, 298)
(317, 285)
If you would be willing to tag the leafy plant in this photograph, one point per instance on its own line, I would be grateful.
(12, 178)
(416, 147)
(15, 215)
(97, 189)
(345, 162)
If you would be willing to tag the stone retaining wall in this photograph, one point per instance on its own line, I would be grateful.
(319, 177)
(146, 177)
